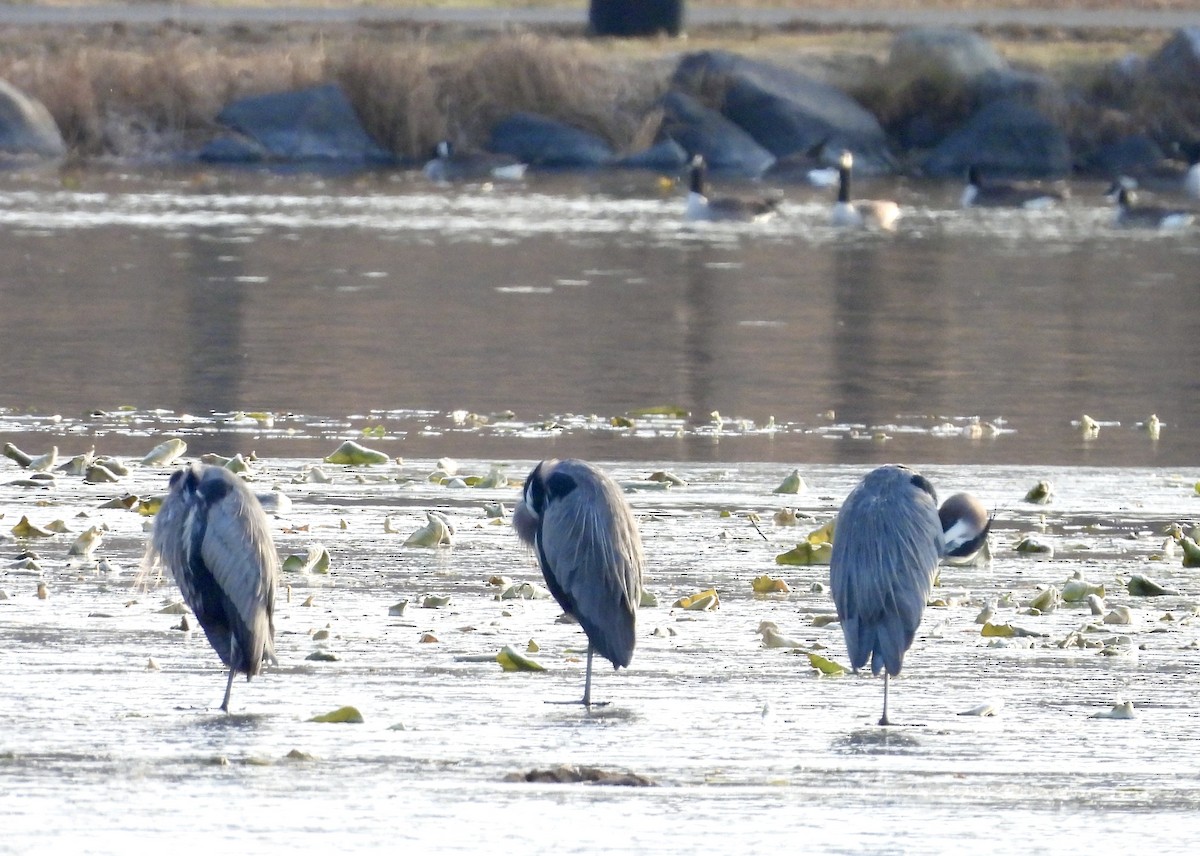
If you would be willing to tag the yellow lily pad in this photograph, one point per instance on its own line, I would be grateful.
(822, 535)
(1000, 630)
(149, 506)
(792, 483)
(1191, 552)
(315, 561)
(806, 554)
(665, 410)
(349, 713)
(26, 529)
(1040, 494)
(766, 584)
(704, 600)
(352, 454)
(512, 660)
(825, 666)
(435, 533)
(164, 453)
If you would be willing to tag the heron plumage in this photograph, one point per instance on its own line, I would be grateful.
(213, 537)
(589, 549)
(886, 546)
(889, 536)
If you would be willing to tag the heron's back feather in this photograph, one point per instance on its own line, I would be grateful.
(591, 555)
(886, 546)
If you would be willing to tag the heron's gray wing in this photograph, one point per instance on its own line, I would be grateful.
(589, 545)
(885, 551)
(238, 552)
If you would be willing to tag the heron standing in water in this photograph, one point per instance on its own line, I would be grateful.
(887, 542)
(212, 534)
(577, 521)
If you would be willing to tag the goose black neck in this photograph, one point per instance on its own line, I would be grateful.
(843, 183)
(697, 180)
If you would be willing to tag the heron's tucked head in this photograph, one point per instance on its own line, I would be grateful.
(527, 516)
(965, 525)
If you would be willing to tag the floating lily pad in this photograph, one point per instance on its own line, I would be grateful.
(26, 529)
(701, 601)
(352, 454)
(825, 666)
(315, 561)
(435, 533)
(806, 554)
(512, 660)
(349, 714)
(766, 584)
(1142, 586)
(1040, 494)
(164, 453)
(792, 483)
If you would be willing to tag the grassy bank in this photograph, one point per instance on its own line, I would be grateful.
(132, 91)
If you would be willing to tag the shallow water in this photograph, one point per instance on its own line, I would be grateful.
(747, 747)
(384, 300)
(285, 314)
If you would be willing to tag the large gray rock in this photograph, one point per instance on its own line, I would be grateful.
(1135, 155)
(786, 112)
(944, 55)
(26, 126)
(725, 146)
(314, 124)
(667, 155)
(1177, 63)
(541, 141)
(1004, 138)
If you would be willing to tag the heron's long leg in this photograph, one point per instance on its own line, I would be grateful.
(587, 682)
(883, 720)
(228, 690)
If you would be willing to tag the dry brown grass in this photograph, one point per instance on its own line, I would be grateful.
(132, 91)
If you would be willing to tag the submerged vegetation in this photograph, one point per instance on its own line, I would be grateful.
(153, 90)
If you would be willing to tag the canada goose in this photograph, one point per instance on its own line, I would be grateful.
(1006, 194)
(860, 213)
(1133, 216)
(701, 207)
(450, 165)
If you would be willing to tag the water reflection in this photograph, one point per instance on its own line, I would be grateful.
(562, 297)
(212, 351)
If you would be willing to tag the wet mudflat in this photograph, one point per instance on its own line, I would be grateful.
(284, 315)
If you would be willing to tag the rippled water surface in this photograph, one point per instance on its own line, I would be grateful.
(283, 315)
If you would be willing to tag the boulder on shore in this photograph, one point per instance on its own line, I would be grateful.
(26, 126)
(1005, 138)
(699, 130)
(314, 124)
(784, 111)
(540, 141)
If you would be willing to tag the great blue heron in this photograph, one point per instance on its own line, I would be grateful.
(1006, 194)
(587, 543)
(887, 541)
(214, 538)
(701, 207)
(860, 213)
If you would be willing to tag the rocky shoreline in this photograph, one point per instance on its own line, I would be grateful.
(935, 101)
